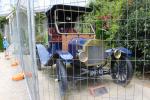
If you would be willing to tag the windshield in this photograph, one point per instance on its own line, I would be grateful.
(74, 27)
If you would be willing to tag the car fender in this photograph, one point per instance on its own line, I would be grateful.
(126, 51)
(65, 55)
(44, 55)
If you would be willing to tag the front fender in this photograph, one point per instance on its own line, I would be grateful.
(65, 55)
(126, 51)
(44, 55)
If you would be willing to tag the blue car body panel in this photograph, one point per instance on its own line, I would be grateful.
(44, 55)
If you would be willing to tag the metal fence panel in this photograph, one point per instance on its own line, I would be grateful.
(115, 21)
(98, 78)
(25, 29)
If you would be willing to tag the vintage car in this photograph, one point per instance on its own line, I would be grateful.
(72, 42)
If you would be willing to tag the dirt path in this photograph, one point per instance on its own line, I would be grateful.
(11, 90)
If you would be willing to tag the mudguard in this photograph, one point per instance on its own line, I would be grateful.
(44, 55)
(65, 55)
(122, 49)
(126, 51)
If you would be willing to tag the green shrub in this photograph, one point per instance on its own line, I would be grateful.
(136, 30)
(3, 21)
(105, 15)
(40, 38)
(1, 42)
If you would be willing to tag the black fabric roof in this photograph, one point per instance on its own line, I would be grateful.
(50, 12)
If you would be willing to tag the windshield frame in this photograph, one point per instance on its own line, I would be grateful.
(56, 22)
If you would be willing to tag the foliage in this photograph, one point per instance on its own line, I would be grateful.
(41, 35)
(3, 21)
(1, 42)
(129, 21)
(136, 31)
(106, 15)
(39, 22)
(40, 38)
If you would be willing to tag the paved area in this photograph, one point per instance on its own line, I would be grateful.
(11, 90)
(138, 89)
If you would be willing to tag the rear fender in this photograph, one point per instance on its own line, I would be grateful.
(44, 55)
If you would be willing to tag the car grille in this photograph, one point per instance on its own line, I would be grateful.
(95, 55)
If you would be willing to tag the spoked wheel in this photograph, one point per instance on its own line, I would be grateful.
(122, 71)
(38, 61)
(62, 79)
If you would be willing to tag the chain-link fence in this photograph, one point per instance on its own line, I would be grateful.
(77, 68)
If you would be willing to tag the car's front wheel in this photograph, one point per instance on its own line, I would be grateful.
(62, 78)
(122, 71)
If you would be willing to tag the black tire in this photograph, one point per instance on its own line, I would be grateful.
(38, 61)
(122, 71)
(62, 78)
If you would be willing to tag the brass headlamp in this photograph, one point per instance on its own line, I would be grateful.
(117, 54)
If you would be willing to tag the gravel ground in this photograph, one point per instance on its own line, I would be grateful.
(9, 89)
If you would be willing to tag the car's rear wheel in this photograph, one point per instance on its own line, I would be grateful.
(122, 71)
(62, 78)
